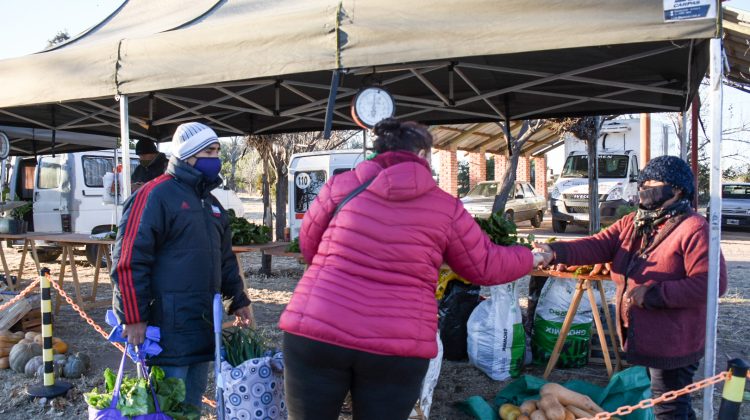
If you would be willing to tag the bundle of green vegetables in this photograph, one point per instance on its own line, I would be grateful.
(246, 233)
(135, 397)
(503, 231)
(294, 246)
(241, 344)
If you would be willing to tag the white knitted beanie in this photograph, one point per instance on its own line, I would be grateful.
(190, 138)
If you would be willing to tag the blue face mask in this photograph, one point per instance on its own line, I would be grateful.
(209, 167)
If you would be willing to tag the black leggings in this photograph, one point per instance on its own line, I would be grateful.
(317, 377)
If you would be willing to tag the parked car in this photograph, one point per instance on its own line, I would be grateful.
(735, 204)
(524, 203)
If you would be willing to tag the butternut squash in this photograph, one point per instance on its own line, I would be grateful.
(538, 415)
(4, 363)
(552, 408)
(579, 413)
(528, 406)
(568, 397)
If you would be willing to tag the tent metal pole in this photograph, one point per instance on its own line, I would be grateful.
(125, 145)
(714, 247)
(694, 110)
(335, 78)
(683, 136)
(645, 139)
(593, 149)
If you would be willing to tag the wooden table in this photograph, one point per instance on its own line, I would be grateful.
(265, 267)
(68, 241)
(28, 245)
(584, 284)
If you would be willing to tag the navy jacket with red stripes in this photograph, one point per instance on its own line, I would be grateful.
(173, 253)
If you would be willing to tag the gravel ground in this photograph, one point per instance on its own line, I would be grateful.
(458, 380)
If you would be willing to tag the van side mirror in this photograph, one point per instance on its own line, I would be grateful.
(519, 196)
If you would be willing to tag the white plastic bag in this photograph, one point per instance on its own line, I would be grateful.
(554, 302)
(496, 339)
(421, 410)
(108, 181)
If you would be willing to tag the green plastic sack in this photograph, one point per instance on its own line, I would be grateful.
(551, 311)
(625, 388)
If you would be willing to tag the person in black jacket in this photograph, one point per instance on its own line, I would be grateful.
(172, 255)
(152, 163)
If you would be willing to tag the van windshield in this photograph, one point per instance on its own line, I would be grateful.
(736, 191)
(610, 166)
(483, 190)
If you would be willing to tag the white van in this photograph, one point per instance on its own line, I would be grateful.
(307, 174)
(67, 191)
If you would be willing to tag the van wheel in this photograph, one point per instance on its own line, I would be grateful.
(91, 256)
(508, 215)
(48, 255)
(559, 226)
(537, 220)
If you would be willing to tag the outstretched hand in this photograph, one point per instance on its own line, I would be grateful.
(543, 254)
(245, 316)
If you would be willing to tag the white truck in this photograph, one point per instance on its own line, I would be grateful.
(618, 150)
(68, 195)
(307, 174)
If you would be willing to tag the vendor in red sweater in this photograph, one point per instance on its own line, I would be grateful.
(659, 261)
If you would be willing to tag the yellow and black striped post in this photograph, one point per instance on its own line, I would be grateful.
(734, 390)
(48, 389)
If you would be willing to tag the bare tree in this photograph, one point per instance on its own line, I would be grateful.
(275, 152)
(232, 152)
(737, 132)
(515, 145)
(586, 129)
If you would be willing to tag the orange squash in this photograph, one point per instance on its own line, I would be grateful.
(4, 363)
(59, 347)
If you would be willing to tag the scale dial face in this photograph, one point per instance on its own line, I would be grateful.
(372, 105)
(4, 145)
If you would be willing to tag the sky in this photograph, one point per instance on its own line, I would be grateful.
(29, 24)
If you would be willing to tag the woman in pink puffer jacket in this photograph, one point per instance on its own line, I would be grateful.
(363, 318)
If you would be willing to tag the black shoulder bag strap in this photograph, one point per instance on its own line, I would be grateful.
(352, 195)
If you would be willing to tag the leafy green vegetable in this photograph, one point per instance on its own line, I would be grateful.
(246, 233)
(503, 231)
(135, 397)
(241, 344)
(294, 246)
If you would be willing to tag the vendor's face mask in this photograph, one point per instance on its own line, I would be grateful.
(651, 198)
(210, 167)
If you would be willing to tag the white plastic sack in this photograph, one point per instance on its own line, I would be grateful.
(496, 339)
(554, 302)
(421, 410)
(255, 389)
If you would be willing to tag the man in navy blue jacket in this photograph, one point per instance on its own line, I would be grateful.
(173, 253)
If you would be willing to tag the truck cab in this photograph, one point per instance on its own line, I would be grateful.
(307, 174)
(618, 151)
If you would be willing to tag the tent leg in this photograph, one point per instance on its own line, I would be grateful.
(694, 110)
(714, 247)
(335, 77)
(125, 145)
(683, 136)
